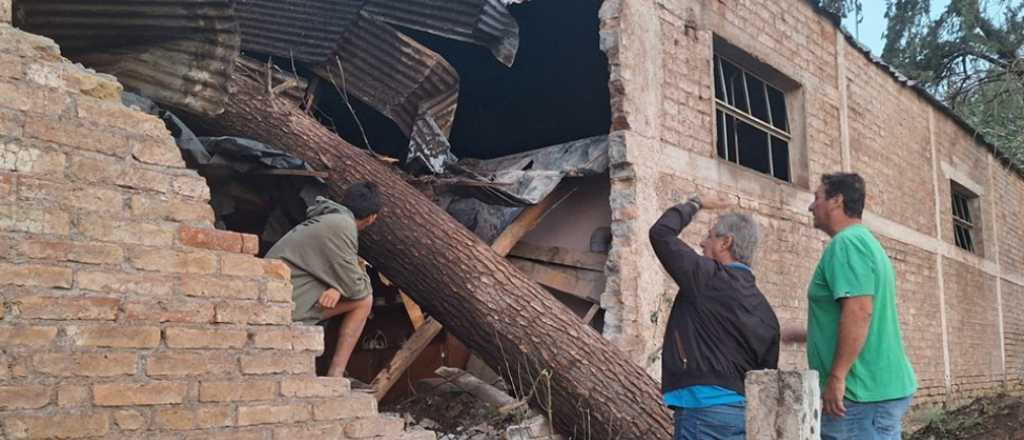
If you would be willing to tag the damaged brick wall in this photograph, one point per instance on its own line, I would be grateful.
(960, 312)
(123, 313)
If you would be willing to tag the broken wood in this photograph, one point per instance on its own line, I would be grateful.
(560, 255)
(471, 384)
(528, 219)
(413, 310)
(515, 326)
(581, 283)
(591, 313)
(388, 377)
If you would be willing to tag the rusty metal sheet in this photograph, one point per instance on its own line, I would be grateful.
(179, 52)
(305, 30)
(484, 22)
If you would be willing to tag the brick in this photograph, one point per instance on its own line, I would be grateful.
(250, 244)
(104, 229)
(7, 189)
(273, 414)
(75, 135)
(297, 337)
(129, 420)
(308, 337)
(96, 170)
(85, 364)
(63, 426)
(82, 198)
(78, 252)
(241, 265)
(205, 416)
(277, 291)
(146, 284)
(27, 336)
(277, 269)
(114, 336)
(276, 362)
(36, 275)
(161, 208)
(161, 311)
(143, 179)
(176, 363)
(73, 395)
(238, 312)
(354, 405)
(164, 260)
(90, 83)
(249, 434)
(156, 393)
(114, 114)
(306, 432)
(23, 397)
(205, 338)
(315, 387)
(219, 287)
(162, 152)
(14, 218)
(208, 238)
(272, 338)
(27, 160)
(191, 186)
(366, 427)
(237, 391)
(30, 98)
(67, 308)
(11, 66)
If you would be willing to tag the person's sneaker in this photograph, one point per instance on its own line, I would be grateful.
(358, 385)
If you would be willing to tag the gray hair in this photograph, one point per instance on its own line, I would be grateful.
(744, 231)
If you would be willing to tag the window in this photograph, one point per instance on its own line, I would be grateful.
(752, 122)
(964, 224)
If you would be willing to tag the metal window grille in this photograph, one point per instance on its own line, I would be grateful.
(963, 226)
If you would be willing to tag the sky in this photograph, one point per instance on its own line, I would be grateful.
(870, 30)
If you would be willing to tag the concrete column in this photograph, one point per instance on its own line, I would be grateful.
(783, 405)
(5, 11)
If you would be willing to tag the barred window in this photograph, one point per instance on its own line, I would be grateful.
(751, 119)
(963, 221)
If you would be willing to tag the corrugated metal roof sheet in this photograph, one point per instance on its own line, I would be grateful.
(179, 52)
(307, 30)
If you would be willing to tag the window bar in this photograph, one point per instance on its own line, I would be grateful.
(768, 104)
(721, 76)
(771, 158)
(757, 123)
(725, 133)
(736, 138)
(746, 94)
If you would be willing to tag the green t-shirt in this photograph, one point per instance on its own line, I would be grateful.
(854, 264)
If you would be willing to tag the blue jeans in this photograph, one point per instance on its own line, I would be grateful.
(866, 421)
(719, 422)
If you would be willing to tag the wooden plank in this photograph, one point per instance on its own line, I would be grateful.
(413, 309)
(404, 358)
(583, 284)
(529, 218)
(560, 255)
(591, 313)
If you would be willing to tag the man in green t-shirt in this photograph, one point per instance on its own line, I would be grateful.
(853, 329)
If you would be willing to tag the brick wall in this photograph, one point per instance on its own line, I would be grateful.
(959, 312)
(124, 313)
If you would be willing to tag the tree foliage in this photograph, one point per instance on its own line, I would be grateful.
(971, 56)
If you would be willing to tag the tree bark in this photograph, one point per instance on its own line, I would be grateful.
(518, 328)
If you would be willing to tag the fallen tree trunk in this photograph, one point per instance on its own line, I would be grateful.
(517, 327)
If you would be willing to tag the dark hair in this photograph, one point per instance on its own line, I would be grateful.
(851, 186)
(362, 198)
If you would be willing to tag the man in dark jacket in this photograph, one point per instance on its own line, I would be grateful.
(721, 325)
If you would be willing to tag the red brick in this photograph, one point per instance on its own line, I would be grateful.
(296, 337)
(164, 260)
(35, 275)
(156, 393)
(72, 251)
(279, 338)
(129, 420)
(241, 265)
(20, 218)
(250, 244)
(239, 312)
(104, 229)
(179, 337)
(89, 83)
(273, 414)
(208, 238)
(39, 100)
(277, 362)
(96, 169)
(114, 114)
(153, 207)
(154, 151)
(277, 269)
(219, 287)
(248, 434)
(314, 387)
(115, 336)
(183, 419)
(306, 431)
(191, 186)
(354, 405)
(62, 426)
(85, 364)
(143, 179)
(26, 158)
(161, 311)
(73, 395)
(278, 291)
(237, 391)
(66, 308)
(146, 284)
(376, 427)
(178, 363)
(27, 336)
(79, 136)
(78, 197)
(24, 397)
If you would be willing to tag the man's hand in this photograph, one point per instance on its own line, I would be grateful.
(330, 298)
(832, 396)
(712, 201)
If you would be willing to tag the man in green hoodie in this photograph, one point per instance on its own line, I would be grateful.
(328, 277)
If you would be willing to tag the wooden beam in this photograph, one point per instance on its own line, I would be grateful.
(405, 356)
(583, 284)
(560, 255)
(529, 218)
(591, 313)
(413, 309)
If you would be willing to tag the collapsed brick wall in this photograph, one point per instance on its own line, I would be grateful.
(124, 313)
(960, 312)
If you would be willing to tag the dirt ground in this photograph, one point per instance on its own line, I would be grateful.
(991, 418)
